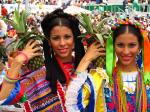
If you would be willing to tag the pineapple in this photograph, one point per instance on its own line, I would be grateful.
(19, 23)
(98, 33)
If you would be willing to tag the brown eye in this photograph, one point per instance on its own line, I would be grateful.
(54, 37)
(120, 45)
(68, 37)
(132, 45)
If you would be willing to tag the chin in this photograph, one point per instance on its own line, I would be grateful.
(63, 55)
(126, 63)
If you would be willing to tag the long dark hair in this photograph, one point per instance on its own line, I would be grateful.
(53, 70)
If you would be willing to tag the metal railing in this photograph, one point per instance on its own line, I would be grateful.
(117, 8)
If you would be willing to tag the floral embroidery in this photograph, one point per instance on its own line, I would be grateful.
(130, 97)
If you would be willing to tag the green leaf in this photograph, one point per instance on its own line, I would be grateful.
(147, 78)
(22, 23)
(101, 23)
(100, 38)
(88, 24)
(16, 17)
(82, 21)
(24, 19)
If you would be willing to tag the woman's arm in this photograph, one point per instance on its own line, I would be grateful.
(81, 92)
(26, 54)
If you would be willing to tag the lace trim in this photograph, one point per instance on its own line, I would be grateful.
(72, 92)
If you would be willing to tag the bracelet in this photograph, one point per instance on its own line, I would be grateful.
(8, 76)
(26, 57)
(9, 80)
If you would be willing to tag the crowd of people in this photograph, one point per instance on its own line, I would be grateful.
(68, 81)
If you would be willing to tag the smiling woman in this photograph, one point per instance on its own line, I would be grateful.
(124, 90)
(127, 47)
(45, 88)
(62, 42)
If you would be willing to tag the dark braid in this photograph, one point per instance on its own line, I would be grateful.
(53, 70)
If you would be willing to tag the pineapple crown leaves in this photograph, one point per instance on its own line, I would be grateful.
(100, 38)
(85, 21)
(20, 43)
(19, 21)
(102, 23)
(100, 31)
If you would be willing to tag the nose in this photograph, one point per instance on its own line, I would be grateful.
(62, 42)
(126, 50)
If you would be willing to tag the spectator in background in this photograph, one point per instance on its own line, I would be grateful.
(9, 1)
(2, 37)
(125, 3)
(4, 11)
(3, 29)
(105, 2)
(95, 12)
(148, 28)
(84, 4)
(3, 26)
(1, 1)
(144, 4)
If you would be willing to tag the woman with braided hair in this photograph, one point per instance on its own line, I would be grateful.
(45, 88)
(124, 85)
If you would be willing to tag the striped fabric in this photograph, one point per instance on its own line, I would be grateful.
(39, 93)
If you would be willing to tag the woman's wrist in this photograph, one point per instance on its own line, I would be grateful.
(19, 59)
(86, 61)
(83, 65)
(11, 77)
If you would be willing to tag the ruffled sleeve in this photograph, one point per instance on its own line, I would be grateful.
(77, 94)
(85, 92)
(16, 94)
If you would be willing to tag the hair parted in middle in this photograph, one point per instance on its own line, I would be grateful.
(53, 69)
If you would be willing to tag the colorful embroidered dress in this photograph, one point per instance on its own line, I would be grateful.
(93, 93)
(38, 91)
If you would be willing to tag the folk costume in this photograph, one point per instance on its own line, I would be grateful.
(112, 90)
(35, 90)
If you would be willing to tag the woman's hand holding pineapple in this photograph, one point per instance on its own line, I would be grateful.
(31, 50)
(94, 51)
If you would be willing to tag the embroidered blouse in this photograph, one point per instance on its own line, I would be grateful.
(92, 93)
(38, 91)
